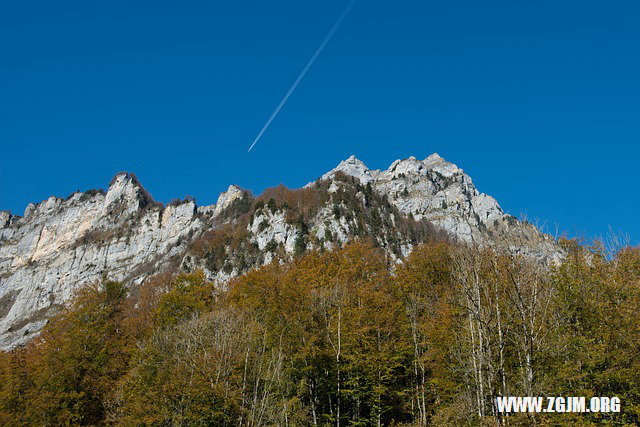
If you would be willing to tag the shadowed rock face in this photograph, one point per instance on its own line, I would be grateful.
(60, 245)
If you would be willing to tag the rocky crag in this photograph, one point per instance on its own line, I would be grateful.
(122, 234)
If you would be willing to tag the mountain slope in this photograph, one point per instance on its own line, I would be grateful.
(60, 245)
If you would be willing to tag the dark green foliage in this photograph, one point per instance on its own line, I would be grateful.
(328, 235)
(336, 211)
(271, 204)
(271, 246)
(263, 225)
(238, 207)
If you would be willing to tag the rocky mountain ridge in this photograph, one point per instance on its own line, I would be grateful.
(440, 192)
(60, 245)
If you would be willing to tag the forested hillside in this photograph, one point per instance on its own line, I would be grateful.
(60, 245)
(342, 337)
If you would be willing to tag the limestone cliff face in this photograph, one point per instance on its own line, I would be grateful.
(60, 245)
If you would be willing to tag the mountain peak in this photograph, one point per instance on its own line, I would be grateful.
(227, 197)
(433, 158)
(5, 217)
(353, 167)
(353, 159)
(410, 165)
(126, 188)
(440, 165)
(124, 176)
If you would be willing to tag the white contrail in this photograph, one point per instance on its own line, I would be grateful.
(304, 71)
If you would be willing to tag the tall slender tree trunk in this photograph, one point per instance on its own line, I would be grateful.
(338, 366)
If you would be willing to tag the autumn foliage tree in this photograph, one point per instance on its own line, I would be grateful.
(342, 337)
(69, 370)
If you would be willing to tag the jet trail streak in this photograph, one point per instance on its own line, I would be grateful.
(304, 71)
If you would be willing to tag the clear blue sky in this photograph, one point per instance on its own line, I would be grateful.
(539, 101)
